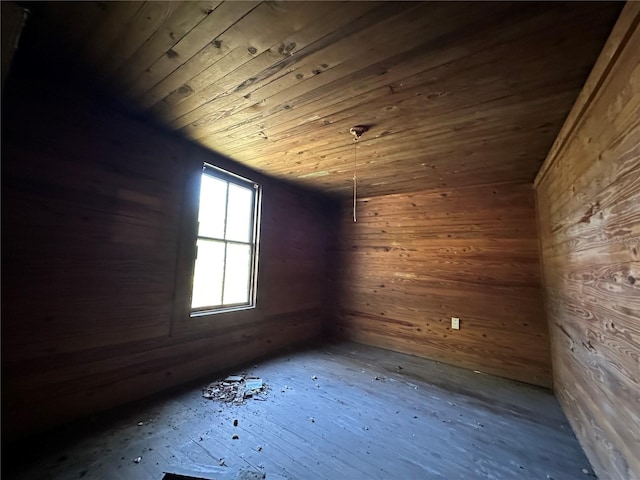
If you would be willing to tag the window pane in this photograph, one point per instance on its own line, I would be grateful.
(236, 281)
(207, 277)
(239, 213)
(213, 197)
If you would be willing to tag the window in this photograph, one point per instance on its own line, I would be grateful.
(224, 274)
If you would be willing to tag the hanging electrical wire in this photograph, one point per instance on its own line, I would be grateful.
(357, 132)
(355, 176)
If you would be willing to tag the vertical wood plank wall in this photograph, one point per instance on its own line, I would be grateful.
(588, 195)
(413, 261)
(91, 221)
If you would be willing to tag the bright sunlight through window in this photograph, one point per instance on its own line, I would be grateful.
(226, 253)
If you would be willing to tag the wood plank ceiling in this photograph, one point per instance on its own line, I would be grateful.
(455, 94)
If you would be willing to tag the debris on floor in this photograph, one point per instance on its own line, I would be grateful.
(235, 436)
(253, 385)
(236, 389)
(235, 422)
(137, 459)
(222, 463)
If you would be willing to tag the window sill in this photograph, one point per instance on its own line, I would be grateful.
(237, 308)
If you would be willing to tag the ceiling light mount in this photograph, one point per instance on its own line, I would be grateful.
(358, 131)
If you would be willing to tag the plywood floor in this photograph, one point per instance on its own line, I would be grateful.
(368, 414)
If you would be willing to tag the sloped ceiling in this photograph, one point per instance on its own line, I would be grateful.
(454, 94)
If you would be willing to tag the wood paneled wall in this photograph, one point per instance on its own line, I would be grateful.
(413, 261)
(92, 209)
(588, 195)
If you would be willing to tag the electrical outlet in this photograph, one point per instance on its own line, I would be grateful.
(455, 323)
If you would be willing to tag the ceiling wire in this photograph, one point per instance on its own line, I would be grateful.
(355, 176)
(357, 132)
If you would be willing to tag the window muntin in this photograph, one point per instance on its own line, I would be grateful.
(226, 248)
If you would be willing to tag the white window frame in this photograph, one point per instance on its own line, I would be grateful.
(253, 243)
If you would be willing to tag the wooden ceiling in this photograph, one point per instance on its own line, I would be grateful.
(454, 94)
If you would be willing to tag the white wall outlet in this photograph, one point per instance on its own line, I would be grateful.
(455, 323)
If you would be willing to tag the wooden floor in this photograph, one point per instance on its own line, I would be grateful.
(369, 413)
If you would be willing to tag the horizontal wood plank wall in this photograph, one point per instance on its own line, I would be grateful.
(413, 261)
(588, 195)
(91, 217)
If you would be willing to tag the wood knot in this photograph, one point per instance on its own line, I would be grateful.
(300, 76)
(172, 53)
(631, 279)
(252, 50)
(287, 49)
(246, 83)
(435, 95)
(593, 209)
(217, 43)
